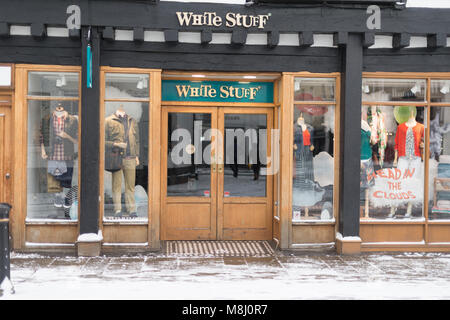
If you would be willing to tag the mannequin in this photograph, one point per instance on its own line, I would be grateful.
(409, 145)
(305, 191)
(59, 133)
(121, 131)
(367, 181)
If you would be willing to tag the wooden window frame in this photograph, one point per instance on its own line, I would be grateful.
(118, 233)
(291, 229)
(62, 233)
(383, 226)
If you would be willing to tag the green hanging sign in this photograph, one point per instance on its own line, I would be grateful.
(217, 91)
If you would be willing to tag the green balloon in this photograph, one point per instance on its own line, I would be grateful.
(402, 113)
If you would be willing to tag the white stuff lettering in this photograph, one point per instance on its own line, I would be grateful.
(231, 20)
(225, 92)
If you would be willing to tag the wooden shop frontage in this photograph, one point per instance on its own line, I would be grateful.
(295, 123)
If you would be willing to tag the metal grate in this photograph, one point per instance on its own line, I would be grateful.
(219, 248)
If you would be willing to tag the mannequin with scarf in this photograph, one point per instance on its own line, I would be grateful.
(59, 133)
(368, 138)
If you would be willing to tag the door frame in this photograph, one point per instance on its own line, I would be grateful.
(212, 199)
(268, 199)
(216, 199)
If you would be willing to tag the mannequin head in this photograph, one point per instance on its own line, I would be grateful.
(300, 120)
(120, 111)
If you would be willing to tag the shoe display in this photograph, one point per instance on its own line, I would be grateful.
(58, 202)
(133, 215)
(118, 214)
(67, 203)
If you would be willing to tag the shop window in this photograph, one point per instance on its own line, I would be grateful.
(439, 164)
(126, 143)
(52, 163)
(313, 149)
(392, 149)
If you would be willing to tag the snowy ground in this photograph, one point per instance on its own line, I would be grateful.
(284, 276)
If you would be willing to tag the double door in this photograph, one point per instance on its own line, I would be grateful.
(216, 173)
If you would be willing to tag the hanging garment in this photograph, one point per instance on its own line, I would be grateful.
(58, 148)
(366, 149)
(400, 139)
(306, 192)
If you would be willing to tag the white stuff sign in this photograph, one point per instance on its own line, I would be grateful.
(231, 19)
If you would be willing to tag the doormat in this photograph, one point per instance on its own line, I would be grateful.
(218, 248)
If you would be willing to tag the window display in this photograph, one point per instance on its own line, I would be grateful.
(52, 147)
(392, 158)
(126, 147)
(439, 164)
(313, 151)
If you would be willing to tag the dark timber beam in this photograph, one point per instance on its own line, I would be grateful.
(138, 34)
(238, 37)
(368, 39)
(306, 39)
(436, 40)
(350, 137)
(38, 30)
(273, 38)
(108, 33)
(401, 40)
(171, 36)
(206, 36)
(340, 38)
(90, 137)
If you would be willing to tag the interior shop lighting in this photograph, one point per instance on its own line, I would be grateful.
(142, 83)
(198, 75)
(446, 88)
(249, 77)
(365, 89)
(61, 82)
(416, 88)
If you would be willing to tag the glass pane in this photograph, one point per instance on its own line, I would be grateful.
(245, 154)
(126, 160)
(122, 85)
(393, 90)
(392, 151)
(53, 84)
(313, 163)
(439, 167)
(440, 90)
(189, 155)
(52, 164)
(314, 89)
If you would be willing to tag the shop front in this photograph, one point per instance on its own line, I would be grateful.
(127, 133)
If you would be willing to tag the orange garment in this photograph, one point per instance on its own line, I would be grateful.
(306, 138)
(400, 138)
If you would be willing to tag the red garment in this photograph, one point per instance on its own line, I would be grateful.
(306, 138)
(400, 138)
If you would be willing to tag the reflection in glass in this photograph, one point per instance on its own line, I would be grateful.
(439, 166)
(314, 89)
(392, 151)
(123, 86)
(189, 154)
(126, 160)
(53, 84)
(245, 153)
(393, 90)
(52, 165)
(440, 91)
(313, 163)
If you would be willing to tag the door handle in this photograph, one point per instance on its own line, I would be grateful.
(214, 167)
(8, 175)
(220, 168)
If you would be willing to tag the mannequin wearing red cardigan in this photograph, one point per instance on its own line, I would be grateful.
(401, 152)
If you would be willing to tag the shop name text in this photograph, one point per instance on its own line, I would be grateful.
(207, 91)
(231, 19)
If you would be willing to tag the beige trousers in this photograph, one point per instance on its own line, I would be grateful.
(129, 173)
